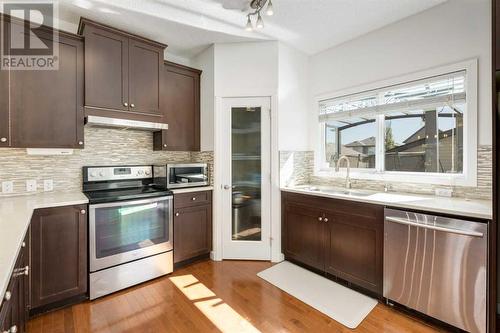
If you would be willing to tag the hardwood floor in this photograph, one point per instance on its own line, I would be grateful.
(211, 297)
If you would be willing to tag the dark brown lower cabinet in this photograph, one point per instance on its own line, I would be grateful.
(14, 309)
(58, 256)
(304, 238)
(339, 237)
(192, 225)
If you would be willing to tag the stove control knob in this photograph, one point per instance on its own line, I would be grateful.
(101, 173)
(148, 172)
(93, 174)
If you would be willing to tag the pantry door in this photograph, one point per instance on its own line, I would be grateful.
(246, 180)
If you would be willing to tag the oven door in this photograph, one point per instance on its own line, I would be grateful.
(128, 230)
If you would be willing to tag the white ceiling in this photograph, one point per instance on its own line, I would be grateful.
(189, 26)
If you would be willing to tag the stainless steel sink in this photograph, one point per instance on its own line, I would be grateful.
(347, 192)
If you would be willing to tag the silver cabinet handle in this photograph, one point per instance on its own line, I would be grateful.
(325, 219)
(227, 187)
(7, 296)
(165, 145)
(176, 214)
(3, 139)
(320, 219)
(132, 105)
(21, 271)
(433, 227)
(125, 104)
(23, 244)
(80, 143)
(83, 211)
(193, 198)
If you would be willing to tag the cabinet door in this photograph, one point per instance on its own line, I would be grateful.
(58, 254)
(303, 235)
(180, 104)
(192, 232)
(144, 83)
(106, 69)
(4, 101)
(355, 247)
(13, 313)
(47, 105)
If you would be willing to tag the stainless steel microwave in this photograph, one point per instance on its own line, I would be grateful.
(179, 175)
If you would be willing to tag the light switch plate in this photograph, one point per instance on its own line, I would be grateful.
(48, 185)
(31, 185)
(8, 186)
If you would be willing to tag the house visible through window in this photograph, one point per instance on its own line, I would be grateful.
(412, 127)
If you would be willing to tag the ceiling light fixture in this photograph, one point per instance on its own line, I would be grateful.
(257, 6)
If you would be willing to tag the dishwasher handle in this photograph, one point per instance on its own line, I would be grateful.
(434, 227)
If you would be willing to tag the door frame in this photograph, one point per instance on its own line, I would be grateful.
(275, 207)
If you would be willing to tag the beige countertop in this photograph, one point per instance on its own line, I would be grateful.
(460, 207)
(15, 217)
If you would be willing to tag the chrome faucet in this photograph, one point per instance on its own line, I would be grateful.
(337, 168)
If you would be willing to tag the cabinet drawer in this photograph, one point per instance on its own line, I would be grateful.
(192, 199)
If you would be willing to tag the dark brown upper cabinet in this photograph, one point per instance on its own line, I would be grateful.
(46, 106)
(338, 237)
(180, 105)
(122, 73)
(58, 256)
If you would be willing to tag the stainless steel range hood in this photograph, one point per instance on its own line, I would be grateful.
(97, 121)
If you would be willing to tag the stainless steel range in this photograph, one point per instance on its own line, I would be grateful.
(130, 227)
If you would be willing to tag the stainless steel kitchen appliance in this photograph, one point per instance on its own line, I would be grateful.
(179, 175)
(130, 227)
(437, 266)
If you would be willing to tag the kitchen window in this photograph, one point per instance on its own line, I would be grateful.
(424, 129)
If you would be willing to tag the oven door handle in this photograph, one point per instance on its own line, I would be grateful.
(133, 202)
(433, 227)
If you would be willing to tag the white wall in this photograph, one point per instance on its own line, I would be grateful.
(451, 32)
(293, 99)
(246, 69)
(177, 59)
(205, 62)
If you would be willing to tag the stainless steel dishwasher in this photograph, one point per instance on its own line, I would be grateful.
(437, 266)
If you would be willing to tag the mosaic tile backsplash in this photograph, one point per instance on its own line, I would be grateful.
(297, 167)
(102, 147)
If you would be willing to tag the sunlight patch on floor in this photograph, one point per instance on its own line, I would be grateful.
(225, 318)
(191, 287)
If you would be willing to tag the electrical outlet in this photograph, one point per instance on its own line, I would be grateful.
(48, 185)
(8, 187)
(31, 185)
(444, 192)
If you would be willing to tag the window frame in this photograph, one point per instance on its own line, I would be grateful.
(468, 177)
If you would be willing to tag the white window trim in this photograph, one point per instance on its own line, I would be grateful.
(469, 175)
